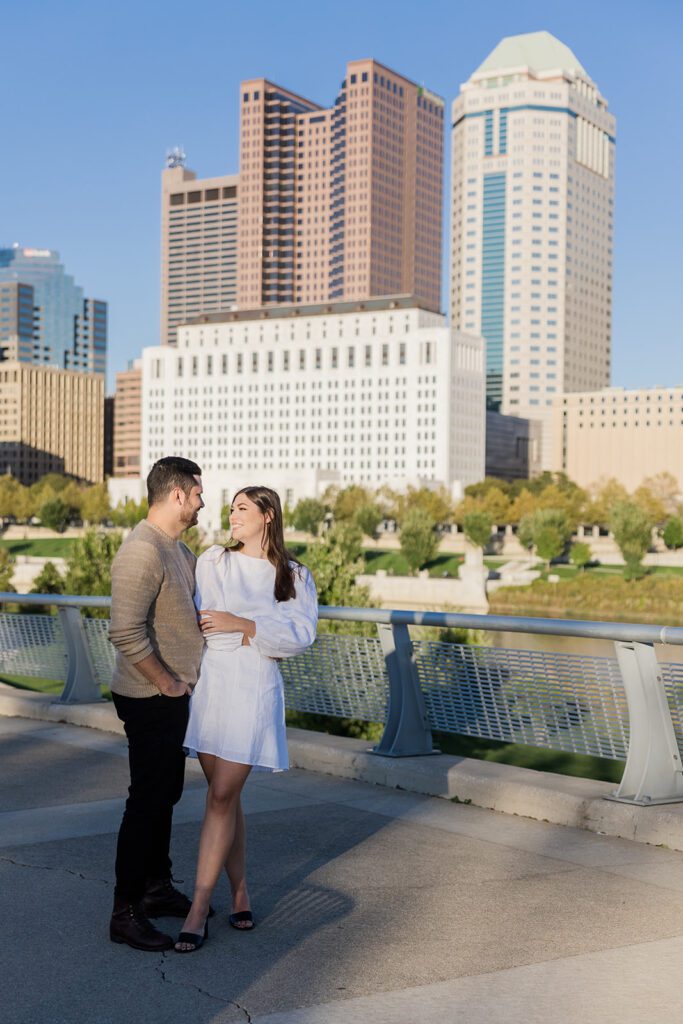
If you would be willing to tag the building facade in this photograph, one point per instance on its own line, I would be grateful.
(198, 245)
(300, 397)
(63, 328)
(513, 447)
(340, 203)
(628, 435)
(128, 421)
(532, 224)
(51, 421)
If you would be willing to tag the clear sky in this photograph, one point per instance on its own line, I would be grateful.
(95, 93)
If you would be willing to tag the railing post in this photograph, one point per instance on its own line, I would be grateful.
(80, 686)
(406, 732)
(653, 773)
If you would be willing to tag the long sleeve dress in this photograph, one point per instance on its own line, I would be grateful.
(237, 709)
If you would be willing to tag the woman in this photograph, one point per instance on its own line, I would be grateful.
(237, 718)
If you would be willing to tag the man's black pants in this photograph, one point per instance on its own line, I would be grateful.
(155, 727)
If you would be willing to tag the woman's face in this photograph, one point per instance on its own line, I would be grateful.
(247, 521)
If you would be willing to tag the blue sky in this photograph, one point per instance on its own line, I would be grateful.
(95, 93)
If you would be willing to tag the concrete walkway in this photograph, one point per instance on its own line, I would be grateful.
(373, 906)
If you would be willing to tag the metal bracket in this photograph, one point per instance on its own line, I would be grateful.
(653, 772)
(406, 732)
(81, 686)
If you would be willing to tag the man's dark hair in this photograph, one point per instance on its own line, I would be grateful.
(169, 473)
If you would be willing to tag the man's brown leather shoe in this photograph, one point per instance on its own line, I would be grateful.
(130, 925)
(162, 899)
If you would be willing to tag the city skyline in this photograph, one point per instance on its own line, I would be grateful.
(99, 203)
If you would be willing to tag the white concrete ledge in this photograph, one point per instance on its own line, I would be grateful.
(560, 799)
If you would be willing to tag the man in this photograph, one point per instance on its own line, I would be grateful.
(159, 647)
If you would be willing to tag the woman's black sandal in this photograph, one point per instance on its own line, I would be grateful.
(242, 915)
(192, 938)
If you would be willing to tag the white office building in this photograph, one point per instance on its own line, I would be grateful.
(375, 392)
(531, 225)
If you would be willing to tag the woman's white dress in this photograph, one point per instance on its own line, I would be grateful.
(237, 709)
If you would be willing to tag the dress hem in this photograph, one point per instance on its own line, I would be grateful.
(258, 767)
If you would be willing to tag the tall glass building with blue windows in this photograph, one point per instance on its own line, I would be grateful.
(45, 317)
(532, 151)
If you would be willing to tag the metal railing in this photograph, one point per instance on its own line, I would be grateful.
(627, 707)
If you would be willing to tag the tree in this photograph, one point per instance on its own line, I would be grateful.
(367, 519)
(10, 489)
(194, 540)
(308, 515)
(632, 530)
(348, 500)
(418, 539)
(524, 504)
(672, 533)
(88, 568)
(497, 504)
(335, 580)
(95, 507)
(348, 538)
(55, 515)
(603, 496)
(477, 527)
(549, 543)
(434, 503)
(129, 513)
(580, 555)
(489, 483)
(6, 570)
(48, 581)
(570, 501)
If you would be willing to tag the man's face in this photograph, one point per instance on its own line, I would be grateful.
(191, 506)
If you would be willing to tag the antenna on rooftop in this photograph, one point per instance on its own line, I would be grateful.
(176, 157)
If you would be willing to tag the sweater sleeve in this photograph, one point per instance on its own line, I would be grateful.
(136, 577)
(291, 627)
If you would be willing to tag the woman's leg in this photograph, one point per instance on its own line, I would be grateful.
(235, 863)
(217, 836)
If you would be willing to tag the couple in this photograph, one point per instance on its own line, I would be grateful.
(221, 627)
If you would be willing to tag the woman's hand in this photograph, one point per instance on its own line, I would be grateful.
(212, 622)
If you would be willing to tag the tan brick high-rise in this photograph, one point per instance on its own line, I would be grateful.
(342, 203)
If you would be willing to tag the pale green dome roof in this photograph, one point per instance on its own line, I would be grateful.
(539, 51)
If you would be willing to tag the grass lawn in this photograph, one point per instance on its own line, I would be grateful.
(54, 686)
(570, 572)
(48, 547)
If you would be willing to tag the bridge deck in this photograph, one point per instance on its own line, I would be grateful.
(373, 905)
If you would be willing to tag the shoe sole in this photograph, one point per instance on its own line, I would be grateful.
(143, 949)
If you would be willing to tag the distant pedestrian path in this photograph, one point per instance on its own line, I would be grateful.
(372, 905)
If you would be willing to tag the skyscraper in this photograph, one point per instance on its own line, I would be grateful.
(198, 245)
(532, 223)
(63, 328)
(342, 203)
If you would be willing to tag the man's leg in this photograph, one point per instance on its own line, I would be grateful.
(155, 728)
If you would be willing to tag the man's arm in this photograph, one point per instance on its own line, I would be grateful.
(136, 578)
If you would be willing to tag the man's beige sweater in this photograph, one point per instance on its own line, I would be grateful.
(152, 610)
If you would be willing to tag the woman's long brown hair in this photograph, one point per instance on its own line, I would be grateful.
(268, 501)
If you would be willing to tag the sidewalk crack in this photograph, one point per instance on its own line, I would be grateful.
(201, 991)
(49, 867)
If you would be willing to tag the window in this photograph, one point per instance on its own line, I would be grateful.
(402, 353)
(385, 355)
(302, 359)
(318, 358)
(254, 362)
(368, 355)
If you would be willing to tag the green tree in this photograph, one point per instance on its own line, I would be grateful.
(10, 490)
(477, 527)
(632, 530)
(549, 543)
(88, 568)
(6, 571)
(603, 496)
(55, 515)
(335, 579)
(48, 581)
(672, 534)
(367, 519)
(129, 513)
(489, 483)
(580, 554)
(194, 539)
(348, 500)
(348, 538)
(308, 515)
(435, 504)
(418, 539)
(95, 506)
